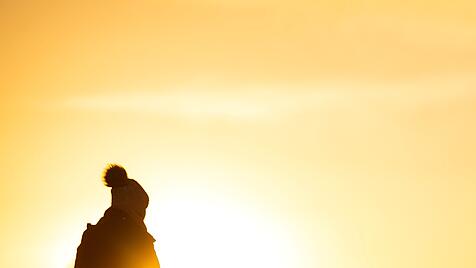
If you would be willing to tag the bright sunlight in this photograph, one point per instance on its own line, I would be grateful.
(207, 229)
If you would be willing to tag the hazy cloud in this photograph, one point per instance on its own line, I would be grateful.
(274, 102)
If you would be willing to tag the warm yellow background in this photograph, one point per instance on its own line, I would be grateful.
(300, 134)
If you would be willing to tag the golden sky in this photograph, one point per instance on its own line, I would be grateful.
(300, 134)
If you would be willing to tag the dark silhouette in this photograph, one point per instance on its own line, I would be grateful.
(120, 238)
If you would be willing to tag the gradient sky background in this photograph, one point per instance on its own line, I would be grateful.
(300, 134)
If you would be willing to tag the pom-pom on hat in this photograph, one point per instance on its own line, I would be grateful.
(114, 175)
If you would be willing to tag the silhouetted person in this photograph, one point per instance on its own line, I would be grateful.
(120, 238)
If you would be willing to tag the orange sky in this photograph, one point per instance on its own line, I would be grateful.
(331, 134)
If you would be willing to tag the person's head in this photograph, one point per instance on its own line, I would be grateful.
(114, 175)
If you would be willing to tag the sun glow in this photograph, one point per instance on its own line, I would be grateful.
(281, 134)
(213, 233)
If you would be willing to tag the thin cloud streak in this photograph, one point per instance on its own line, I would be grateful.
(267, 104)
